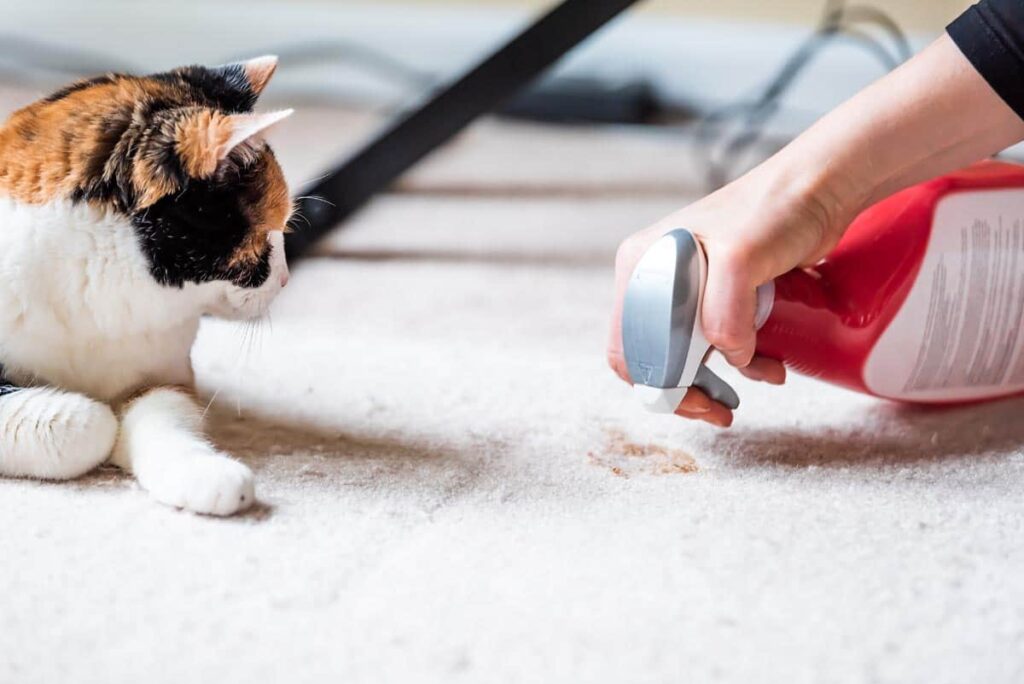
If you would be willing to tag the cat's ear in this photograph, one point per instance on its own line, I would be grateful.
(245, 126)
(257, 72)
(206, 137)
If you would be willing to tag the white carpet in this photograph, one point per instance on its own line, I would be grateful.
(455, 488)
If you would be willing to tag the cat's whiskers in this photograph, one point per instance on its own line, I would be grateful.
(243, 338)
(254, 337)
(297, 213)
(297, 207)
(239, 370)
(209, 404)
(314, 181)
(316, 198)
(248, 335)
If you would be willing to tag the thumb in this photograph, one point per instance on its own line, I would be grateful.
(730, 304)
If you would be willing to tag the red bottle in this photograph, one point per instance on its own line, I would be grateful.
(921, 301)
(923, 298)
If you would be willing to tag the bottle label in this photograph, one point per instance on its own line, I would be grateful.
(958, 335)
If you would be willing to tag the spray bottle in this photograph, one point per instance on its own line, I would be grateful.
(922, 301)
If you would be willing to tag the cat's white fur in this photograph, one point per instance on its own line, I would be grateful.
(105, 350)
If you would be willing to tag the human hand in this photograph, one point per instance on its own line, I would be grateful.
(752, 231)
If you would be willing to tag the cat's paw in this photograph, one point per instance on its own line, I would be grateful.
(207, 483)
(51, 434)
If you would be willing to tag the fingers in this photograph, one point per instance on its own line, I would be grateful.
(698, 406)
(618, 362)
(730, 302)
(763, 369)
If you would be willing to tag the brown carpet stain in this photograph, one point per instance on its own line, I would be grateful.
(625, 458)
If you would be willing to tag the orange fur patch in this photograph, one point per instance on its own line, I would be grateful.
(47, 148)
(270, 210)
(201, 138)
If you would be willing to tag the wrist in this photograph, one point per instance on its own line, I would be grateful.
(826, 194)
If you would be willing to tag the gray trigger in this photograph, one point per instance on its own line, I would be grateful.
(716, 388)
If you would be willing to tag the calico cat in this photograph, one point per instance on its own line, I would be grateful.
(129, 208)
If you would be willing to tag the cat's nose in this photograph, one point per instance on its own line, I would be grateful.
(284, 278)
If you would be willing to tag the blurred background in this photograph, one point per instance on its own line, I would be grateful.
(456, 487)
(741, 76)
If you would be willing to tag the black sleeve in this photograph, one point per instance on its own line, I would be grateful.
(991, 36)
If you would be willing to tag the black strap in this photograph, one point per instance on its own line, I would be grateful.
(412, 137)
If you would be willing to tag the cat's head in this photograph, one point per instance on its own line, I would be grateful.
(181, 155)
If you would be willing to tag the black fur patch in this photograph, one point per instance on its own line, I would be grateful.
(80, 85)
(191, 236)
(225, 88)
(108, 171)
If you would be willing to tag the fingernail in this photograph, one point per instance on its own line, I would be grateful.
(736, 359)
(697, 403)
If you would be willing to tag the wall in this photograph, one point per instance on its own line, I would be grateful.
(920, 15)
